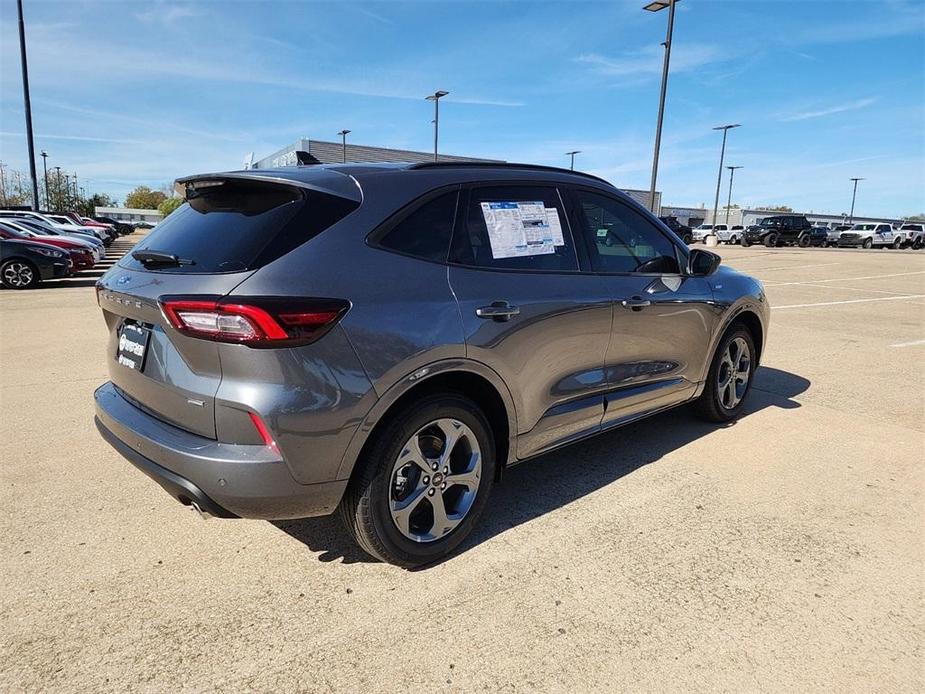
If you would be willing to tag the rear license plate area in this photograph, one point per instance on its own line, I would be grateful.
(133, 345)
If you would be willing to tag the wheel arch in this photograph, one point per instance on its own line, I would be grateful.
(471, 379)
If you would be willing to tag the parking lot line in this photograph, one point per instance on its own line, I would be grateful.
(853, 301)
(837, 287)
(914, 343)
(846, 279)
(791, 267)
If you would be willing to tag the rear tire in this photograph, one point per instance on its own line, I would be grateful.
(19, 274)
(393, 504)
(722, 399)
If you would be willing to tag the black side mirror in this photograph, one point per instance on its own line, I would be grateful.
(703, 263)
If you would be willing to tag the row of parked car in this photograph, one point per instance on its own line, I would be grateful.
(797, 230)
(37, 246)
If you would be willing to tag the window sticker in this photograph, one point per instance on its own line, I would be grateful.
(525, 228)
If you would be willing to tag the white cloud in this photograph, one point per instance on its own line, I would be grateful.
(648, 61)
(831, 110)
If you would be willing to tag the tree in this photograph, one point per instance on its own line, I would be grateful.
(144, 198)
(169, 205)
(778, 208)
(920, 217)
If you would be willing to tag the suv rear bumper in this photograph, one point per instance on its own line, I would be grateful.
(223, 480)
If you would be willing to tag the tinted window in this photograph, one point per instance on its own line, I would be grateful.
(529, 230)
(241, 226)
(426, 232)
(621, 239)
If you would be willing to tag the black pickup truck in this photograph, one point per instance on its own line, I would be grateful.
(780, 230)
(680, 229)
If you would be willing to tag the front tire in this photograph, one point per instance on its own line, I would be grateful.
(867, 243)
(403, 510)
(804, 241)
(19, 274)
(770, 240)
(730, 378)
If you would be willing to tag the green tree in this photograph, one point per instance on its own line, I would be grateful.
(144, 198)
(169, 205)
(778, 208)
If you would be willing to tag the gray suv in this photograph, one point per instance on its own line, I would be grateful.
(383, 340)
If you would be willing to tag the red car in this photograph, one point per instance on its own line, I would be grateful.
(81, 257)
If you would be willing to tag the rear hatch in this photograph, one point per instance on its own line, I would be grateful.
(232, 225)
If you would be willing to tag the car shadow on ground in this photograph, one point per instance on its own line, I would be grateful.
(548, 482)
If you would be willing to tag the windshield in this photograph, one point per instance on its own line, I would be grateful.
(864, 227)
(705, 226)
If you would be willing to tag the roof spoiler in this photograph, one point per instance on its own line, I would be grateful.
(322, 181)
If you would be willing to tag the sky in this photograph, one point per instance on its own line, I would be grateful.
(128, 93)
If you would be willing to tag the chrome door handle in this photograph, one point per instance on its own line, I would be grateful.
(636, 303)
(499, 310)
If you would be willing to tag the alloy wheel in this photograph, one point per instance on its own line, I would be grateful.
(435, 480)
(17, 274)
(733, 374)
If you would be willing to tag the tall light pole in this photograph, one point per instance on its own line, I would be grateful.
(732, 170)
(435, 97)
(854, 195)
(28, 104)
(45, 169)
(343, 138)
(719, 176)
(656, 6)
(572, 155)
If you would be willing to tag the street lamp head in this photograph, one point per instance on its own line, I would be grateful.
(44, 153)
(733, 168)
(574, 151)
(657, 5)
(439, 94)
(728, 127)
(344, 132)
(857, 179)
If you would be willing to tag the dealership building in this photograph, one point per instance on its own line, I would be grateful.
(695, 216)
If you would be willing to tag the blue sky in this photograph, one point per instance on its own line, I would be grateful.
(139, 93)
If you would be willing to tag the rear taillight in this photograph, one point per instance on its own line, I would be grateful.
(256, 322)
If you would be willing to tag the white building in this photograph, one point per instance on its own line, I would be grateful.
(130, 215)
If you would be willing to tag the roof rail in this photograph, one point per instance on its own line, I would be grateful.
(502, 165)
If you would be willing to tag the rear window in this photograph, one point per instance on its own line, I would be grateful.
(240, 226)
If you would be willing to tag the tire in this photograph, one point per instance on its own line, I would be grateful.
(897, 244)
(688, 239)
(733, 240)
(917, 244)
(19, 274)
(745, 242)
(804, 241)
(371, 508)
(867, 243)
(770, 240)
(714, 403)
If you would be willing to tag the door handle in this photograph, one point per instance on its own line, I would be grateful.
(636, 303)
(498, 310)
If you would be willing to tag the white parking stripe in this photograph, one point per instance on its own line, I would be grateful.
(846, 279)
(851, 301)
(909, 344)
(830, 287)
(790, 267)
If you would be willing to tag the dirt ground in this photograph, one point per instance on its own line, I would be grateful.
(784, 552)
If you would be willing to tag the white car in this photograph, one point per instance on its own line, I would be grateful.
(729, 234)
(55, 224)
(701, 232)
(30, 228)
(870, 236)
(913, 234)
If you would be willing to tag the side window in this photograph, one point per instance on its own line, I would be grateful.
(426, 232)
(620, 239)
(515, 227)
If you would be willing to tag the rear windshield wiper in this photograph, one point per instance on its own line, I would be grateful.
(159, 258)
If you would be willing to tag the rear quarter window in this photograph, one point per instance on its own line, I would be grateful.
(241, 226)
(425, 232)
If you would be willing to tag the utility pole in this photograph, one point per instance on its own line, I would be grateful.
(719, 176)
(2, 183)
(45, 169)
(435, 97)
(28, 104)
(572, 155)
(343, 135)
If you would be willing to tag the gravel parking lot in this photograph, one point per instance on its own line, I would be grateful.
(782, 552)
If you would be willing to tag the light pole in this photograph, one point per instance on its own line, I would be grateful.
(343, 139)
(656, 6)
(719, 176)
(435, 97)
(854, 195)
(732, 170)
(45, 169)
(28, 107)
(572, 155)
